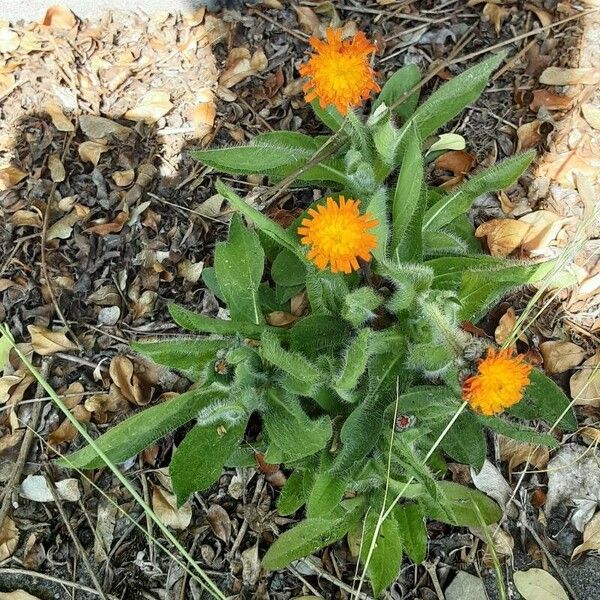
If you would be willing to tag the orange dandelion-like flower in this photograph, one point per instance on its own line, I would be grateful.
(338, 234)
(499, 383)
(339, 72)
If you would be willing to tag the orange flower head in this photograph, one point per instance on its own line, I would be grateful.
(338, 234)
(339, 71)
(499, 383)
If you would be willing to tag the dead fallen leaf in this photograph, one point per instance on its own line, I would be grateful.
(26, 218)
(591, 114)
(46, 342)
(502, 540)
(549, 100)
(66, 431)
(35, 488)
(136, 389)
(238, 68)
(9, 536)
(17, 595)
(585, 382)
(528, 135)
(590, 435)
(565, 76)
(164, 505)
(250, 565)
(124, 178)
(536, 584)
(10, 176)
(505, 327)
(219, 522)
(56, 167)
(591, 537)
(491, 482)
(495, 14)
(189, 270)
(542, 14)
(102, 228)
(503, 236)
(63, 228)
(308, 20)
(561, 356)
(58, 117)
(100, 128)
(280, 318)
(90, 151)
(544, 226)
(151, 107)
(518, 453)
(60, 17)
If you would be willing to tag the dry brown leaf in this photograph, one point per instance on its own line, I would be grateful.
(189, 270)
(60, 17)
(91, 151)
(544, 98)
(458, 162)
(151, 107)
(259, 61)
(590, 435)
(26, 218)
(46, 342)
(56, 167)
(114, 226)
(164, 505)
(565, 76)
(58, 117)
(544, 226)
(124, 178)
(219, 522)
(100, 128)
(238, 68)
(308, 20)
(144, 304)
(543, 15)
(591, 114)
(131, 385)
(505, 327)
(10, 176)
(9, 40)
(9, 536)
(101, 405)
(518, 453)
(528, 135)
(63, 228)
(280, 318)
(561, 356)
(66, 432)
(10, 440)
(585, 383)
(495, 14)
(503, 236)
(591, 537)
(203, 115)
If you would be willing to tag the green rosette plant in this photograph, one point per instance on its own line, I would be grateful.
(355, 397)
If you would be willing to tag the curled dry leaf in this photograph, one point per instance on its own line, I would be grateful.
(585, 383)
(63, 228)
(114, 226)
(502, 540)
(10, 176)
(91, 151)
(590, 435)
(591, 114)
(280, 318)
(505, 327)
(308, 20)
(56, 167)
(250, 566)
(564, 76)
(495, 14)
(66, 431)
(60, 17)
(518, 453)
(124, 178)
(105, 529)
(100, 128)
(164, 505)
(35, 488)
(152, 106)
(135, 388)
(561, 356)
(491, 482)
(189, 270)
(9, 536)
(58, 117)
(46, 342)
(503, 236)
(544, 98)
(238, 68)
(591, 537)
(543, 15)
(219, 522)
(544, 227)
(26, 218)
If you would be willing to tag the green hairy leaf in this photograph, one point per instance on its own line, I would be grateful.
(465, 442)
(304, 539)
(293, 435)
(327, 492)
(360, 305)
(411, 525)
(355, 362)
(377, 207)
(142, 429)
(495, 178)
(330, 116)
(239, 265)
(198, 460)
(191, 357)
(454, 96)
(396, 88)
(295, 492)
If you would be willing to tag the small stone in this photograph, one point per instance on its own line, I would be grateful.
(466, 586)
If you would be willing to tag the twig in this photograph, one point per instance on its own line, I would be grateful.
(80, 361)
(297, 34)
(25, 448)
(71, 584)
(82, 552)
(310, 587)
(340, 584)
(430, 568)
